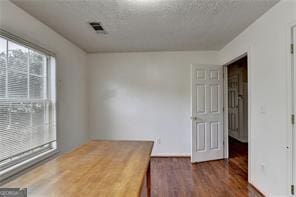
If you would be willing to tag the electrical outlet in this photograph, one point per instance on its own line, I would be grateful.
(59, 84)
(158, 141)
(262, 109)
(262, 167)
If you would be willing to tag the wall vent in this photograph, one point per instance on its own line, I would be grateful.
(97, 26)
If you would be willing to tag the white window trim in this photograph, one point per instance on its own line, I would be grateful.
(15, 169)
(26, 43)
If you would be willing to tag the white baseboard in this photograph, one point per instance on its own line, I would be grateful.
(240, 139)
(171, 155)
(259, 190)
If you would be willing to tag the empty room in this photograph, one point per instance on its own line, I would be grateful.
(156, 98)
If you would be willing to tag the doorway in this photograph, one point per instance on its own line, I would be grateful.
(237, 100)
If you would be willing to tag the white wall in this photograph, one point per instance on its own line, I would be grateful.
(72, 108)
(267, 41)
(147, 95)
(144, 96)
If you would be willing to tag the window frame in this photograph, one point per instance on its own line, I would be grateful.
(31, 159)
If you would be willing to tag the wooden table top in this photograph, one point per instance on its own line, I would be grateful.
(98, 168)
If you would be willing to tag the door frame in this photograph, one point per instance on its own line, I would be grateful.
(292, 106)
(226, 143)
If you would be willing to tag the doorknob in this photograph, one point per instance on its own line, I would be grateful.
(193, 118)
(196, 118)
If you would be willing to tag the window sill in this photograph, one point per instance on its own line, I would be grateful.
(14, 170)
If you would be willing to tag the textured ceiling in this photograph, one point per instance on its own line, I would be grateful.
(148, 25)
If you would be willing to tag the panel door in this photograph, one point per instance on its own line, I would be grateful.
(233, 106)
(207, 113)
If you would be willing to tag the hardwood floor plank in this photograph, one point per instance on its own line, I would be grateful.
(221, 178)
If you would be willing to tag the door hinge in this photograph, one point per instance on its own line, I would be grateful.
(293, 119)
(292, 48)
(292, 190)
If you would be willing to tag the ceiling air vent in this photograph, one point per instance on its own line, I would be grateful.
(98, 27)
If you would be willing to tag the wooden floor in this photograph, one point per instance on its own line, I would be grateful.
(178, 177)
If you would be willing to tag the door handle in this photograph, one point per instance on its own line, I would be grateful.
(195, 118)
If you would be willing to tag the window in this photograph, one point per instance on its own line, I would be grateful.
(27, 103)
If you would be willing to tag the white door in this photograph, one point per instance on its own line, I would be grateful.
(233, 106)
(207, 113)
